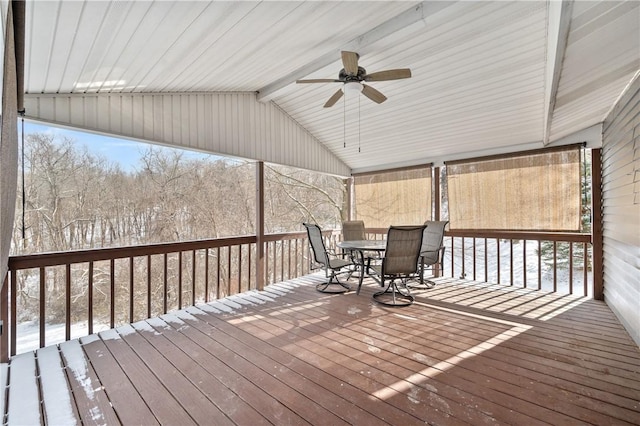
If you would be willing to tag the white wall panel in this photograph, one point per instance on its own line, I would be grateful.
(621, 209)
(232, 124)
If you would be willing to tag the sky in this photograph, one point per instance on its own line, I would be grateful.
(124, 152)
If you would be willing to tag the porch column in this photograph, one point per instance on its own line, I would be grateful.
(260, 271)
(436, 193)
(596, 224)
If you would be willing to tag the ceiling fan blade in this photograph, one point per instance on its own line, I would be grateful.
(333, 99)
(373, 94)
(388, 75)
(350, 62)
(319, 80)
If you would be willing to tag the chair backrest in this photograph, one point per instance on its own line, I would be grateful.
(403, 250)
(317, 243)
(353, 230)
(432, 240)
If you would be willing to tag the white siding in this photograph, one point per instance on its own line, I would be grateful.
(233, 124)
(621, 209)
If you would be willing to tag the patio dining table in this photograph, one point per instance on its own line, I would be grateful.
(361, 246)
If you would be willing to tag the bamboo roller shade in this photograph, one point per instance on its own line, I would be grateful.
(401, 197)
(534, 192)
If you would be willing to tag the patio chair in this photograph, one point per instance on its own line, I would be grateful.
(400, 263)
(331, 264)
(432, 251)
(353, 230)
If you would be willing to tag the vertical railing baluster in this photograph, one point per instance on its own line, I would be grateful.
(148, 286)
(511, 261)
(67, 316)
(179, 280)
(42, 313)
(239, 268)
(206, 275)
(453, 272)
(539, 264)
(275, 262)
(266, 263)
(584, 268)
(295, 266)
(498, 254)
(229, 270)
(249, 256)
(524, 263)
(112, 295)
(281, 260)
(464, 272)
(131, 289)
(486, 261)
(165, 282)
(555, 266)
(474, 258)
(289, 259)
(570, 268)
(193, 278)
(90, 301)
(218, 273)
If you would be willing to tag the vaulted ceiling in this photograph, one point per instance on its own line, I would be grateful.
(488, 77)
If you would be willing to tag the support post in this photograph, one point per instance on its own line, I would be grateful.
(596, 225)
(260, 261)
(436, 209)
(349, 185)
(436, 193)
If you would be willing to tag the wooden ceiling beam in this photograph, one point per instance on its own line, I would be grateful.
(559, 23)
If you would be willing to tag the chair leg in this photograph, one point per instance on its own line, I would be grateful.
(393, 296)
(422, 283)
(333, 287)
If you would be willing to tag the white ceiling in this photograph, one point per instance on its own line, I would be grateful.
(486, 76)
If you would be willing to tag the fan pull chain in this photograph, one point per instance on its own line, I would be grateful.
(359, 122)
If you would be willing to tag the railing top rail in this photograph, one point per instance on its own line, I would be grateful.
(510, 235)
(91, 255)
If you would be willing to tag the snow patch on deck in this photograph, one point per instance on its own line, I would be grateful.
(57, 402)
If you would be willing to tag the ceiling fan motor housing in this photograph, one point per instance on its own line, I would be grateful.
(344, 76)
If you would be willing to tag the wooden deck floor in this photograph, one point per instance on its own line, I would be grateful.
(464, 353)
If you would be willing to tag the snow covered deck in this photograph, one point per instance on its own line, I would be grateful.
(464, 353)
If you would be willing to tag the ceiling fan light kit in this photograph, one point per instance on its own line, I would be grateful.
(353, 76)
(353, 87)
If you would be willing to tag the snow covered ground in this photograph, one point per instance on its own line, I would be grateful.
(521, 263)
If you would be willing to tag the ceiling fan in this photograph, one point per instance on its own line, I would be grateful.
(354, 76)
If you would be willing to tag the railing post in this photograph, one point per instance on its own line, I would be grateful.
(260, 265)
(4, 317)
(596, 226)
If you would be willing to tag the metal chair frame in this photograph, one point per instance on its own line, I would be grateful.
(331, 265)
(400, 263)
(432, 249)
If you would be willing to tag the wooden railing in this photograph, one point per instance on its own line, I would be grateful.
(105, 288)
(551, 261)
